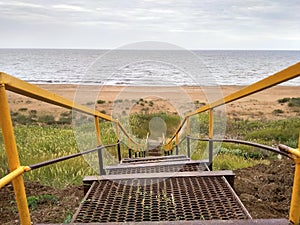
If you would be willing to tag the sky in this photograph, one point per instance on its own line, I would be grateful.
(190, 24)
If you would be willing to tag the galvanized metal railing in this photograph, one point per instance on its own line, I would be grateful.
(280, 77)
(10, 83)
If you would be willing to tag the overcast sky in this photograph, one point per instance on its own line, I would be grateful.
(191, 24)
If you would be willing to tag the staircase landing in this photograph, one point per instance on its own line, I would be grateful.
(163, 190)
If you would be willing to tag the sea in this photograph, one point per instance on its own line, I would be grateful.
(146, 67)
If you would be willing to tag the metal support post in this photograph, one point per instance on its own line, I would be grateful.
(117, 131)
(100, 160)
(13, 157)
(188, 133)
(98, 135)
(188, 146)
(119, 151)
(177, 142)
(129, 153)
(210, 136)
(295, 201)
(210, 153)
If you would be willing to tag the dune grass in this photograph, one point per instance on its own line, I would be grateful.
(39, 142)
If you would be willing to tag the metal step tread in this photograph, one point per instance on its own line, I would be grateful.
(216, 173)
(153, 158)
(199, 222)
(155, 163)
(158, 167)
(161, 199)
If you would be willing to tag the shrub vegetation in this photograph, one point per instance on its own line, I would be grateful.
(43, 137)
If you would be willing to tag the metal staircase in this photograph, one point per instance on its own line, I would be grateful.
(152, 190)
(163, 190)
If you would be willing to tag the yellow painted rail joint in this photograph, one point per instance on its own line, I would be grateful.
(17, 172)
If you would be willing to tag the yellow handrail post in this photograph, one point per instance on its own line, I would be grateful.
(210, 137)
(188, 128)
(117, 130)
(98, 133)
(299, 142)
(211, 124)
(295, 200)
(13, 157)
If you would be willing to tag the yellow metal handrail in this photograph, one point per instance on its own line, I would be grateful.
(13, 158)
(21, 87)
(277, 78)
(16, 85)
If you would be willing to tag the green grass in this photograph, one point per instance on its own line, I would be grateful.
(292, 102)
(233, 162)
(37, 144)
(101, 101)
(284, 131)
(35, 201)
(139, 123)
(39, 141)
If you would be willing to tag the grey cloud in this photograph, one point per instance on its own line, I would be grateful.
(234, 19)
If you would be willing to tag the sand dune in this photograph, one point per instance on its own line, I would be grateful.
(172, 99)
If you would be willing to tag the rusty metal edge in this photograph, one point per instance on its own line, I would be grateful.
(237, 198)
(218, 173)
(149, 158)
(167, 163)
(280, 221)
(82, 202)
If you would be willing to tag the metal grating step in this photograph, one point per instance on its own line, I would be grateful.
(201, 222)
(157, 168)
(154, 199)
(154, 158)
(155, 152)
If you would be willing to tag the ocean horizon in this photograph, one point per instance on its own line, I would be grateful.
(146, 67)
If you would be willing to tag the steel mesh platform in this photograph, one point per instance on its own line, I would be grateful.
(173, 199)
(199, 222)
(154, 159)
(158, 169)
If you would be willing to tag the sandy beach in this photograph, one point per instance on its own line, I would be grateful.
(171, 99)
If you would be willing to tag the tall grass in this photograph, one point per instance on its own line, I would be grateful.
(266, 132)
(139, 123)
(233, 162)
(41, 143)
(37, 143)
